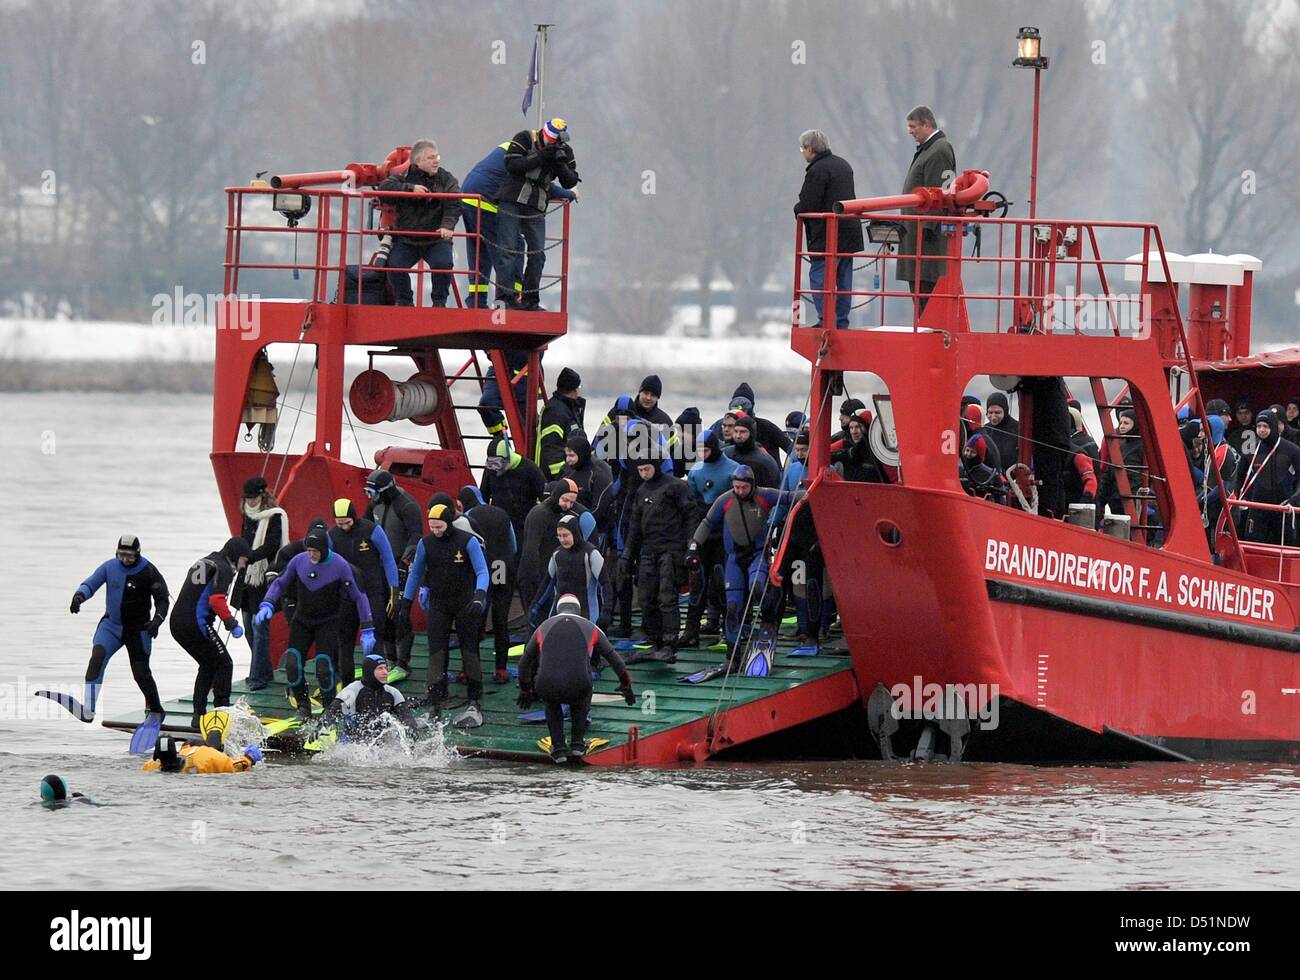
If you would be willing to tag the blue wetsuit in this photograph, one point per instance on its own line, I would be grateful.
(455, 573)
(744, 523)
(129, 593)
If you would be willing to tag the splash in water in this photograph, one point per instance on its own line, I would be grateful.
(388, 744)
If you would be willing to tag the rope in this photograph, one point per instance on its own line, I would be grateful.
(381, 432)
(348, 416)
(302, 332)
(1031, 505)
(285, 457)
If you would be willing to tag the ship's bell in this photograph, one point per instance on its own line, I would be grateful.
(260, 403)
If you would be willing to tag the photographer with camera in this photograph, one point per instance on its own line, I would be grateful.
(534, 159)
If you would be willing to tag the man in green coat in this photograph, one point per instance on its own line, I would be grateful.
(933, 165)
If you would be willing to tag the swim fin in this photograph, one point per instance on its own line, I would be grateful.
(707, 674)
(471, 717)
(217, 720)
(145, 738)
(517, 650)
(762, 648)
(719, 647)
(325, 739)
(69, 704)
(396, 675)
(534, 717)
(278, 726)
(592, 744)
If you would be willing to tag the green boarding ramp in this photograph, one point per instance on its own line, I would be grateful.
(664, 701)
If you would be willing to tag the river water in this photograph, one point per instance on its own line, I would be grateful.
(82, 469)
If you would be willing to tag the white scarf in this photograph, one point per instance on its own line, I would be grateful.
(255, 574)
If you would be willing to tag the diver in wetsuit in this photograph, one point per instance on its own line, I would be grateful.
(133, 584)
(360, 705)
(55, 795)
(365, 546)
(201, 758)
(744, 514)
(193, 622)
(450, 576)
(556, 668)
(326, 580)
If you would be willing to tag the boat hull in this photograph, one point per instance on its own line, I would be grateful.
(1034, 622)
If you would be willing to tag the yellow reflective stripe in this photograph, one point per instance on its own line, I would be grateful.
(476, 202)
(553, 430)
(556, 467)
(495, 428)
(481, 288)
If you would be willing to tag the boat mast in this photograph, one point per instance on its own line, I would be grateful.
(542, 29)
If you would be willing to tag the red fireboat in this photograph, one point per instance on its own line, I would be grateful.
(974, 630)
(980, 630)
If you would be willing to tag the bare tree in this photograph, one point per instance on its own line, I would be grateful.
(1219, 83)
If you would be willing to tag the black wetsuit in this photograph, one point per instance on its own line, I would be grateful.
(556, 667)
(193, 624)
(455, 572)
(400, 516)
(539, 542)
(501, 550)
(367, 548)
(361, 705)
(1051, 435)
(656, 540)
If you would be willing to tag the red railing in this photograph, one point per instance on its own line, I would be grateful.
(1044, 275)
(1041, 254)
(340, 239)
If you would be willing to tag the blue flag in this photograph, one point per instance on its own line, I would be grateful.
(532, 80)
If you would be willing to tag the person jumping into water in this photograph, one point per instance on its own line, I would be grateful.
(133, 586)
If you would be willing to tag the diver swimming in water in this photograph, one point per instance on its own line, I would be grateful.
(201, 758)
(360, 707)
(55, 795)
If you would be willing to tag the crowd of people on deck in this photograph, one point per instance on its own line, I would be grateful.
(571, 535)
(646, 509)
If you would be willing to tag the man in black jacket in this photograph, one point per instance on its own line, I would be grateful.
(561, 418)
(436, 216)
(656, 547)
(534, 159)
(828, 180)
